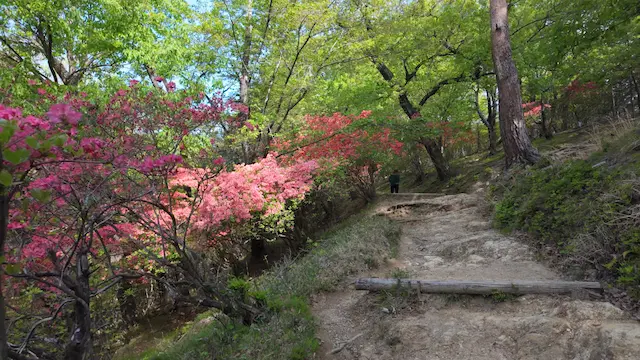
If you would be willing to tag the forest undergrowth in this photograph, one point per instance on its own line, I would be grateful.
(583, 213)
(287, 330)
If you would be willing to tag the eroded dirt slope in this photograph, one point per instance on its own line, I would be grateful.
(449, 237)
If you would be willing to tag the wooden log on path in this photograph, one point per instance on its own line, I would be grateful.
(418, 194)
(477, 287)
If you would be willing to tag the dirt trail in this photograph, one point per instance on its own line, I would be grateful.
(449, 237)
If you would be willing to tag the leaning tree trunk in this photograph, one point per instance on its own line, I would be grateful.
(516, 142)
(434, 149)
(418, 169)
(432, 146)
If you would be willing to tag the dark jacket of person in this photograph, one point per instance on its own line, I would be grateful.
(394, 179)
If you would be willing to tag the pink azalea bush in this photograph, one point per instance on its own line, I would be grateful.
(342, 148)
(102, 193)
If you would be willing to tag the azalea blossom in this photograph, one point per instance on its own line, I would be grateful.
(64, 112)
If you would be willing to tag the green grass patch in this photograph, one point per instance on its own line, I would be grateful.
(468, 171)
(559, 139)
(287, 329)
(498, 296)
(398, 273)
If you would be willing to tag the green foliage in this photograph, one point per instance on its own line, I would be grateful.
(286, 331)
(16, 157)
(399, 273)
(563, 200)
(499, 296)
(90, 37)
(5, 178)
(345, 250)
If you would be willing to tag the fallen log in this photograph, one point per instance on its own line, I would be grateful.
(479, 287)
(419, 194)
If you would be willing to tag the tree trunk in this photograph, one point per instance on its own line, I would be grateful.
(487, 287)
(417, 167)
(4, 216)
(371, 170)
(493, 140)
(246, 56)
(79, 346)
(544, 122)
(248, 154)
(516, 142)
(565, 120)
(633, 107)
(490, 119)
(258, 248)
(635, 85)
(434, 149)
(492, 108)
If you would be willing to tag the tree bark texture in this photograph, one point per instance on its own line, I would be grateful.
(492, 108)
(489, 287)
(545, 122)
(434, 149)
(516, 142)
(418, 170)
(79, 346)
(489, 120)
(635, 85)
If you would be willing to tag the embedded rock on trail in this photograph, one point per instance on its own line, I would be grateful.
(450, 238)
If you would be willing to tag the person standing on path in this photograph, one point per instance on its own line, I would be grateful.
(394, 181)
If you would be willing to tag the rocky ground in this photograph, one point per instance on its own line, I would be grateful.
(450, 238)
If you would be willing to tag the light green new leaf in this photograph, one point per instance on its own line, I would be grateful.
(5, 178)
(42, 196)
(16, 157)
